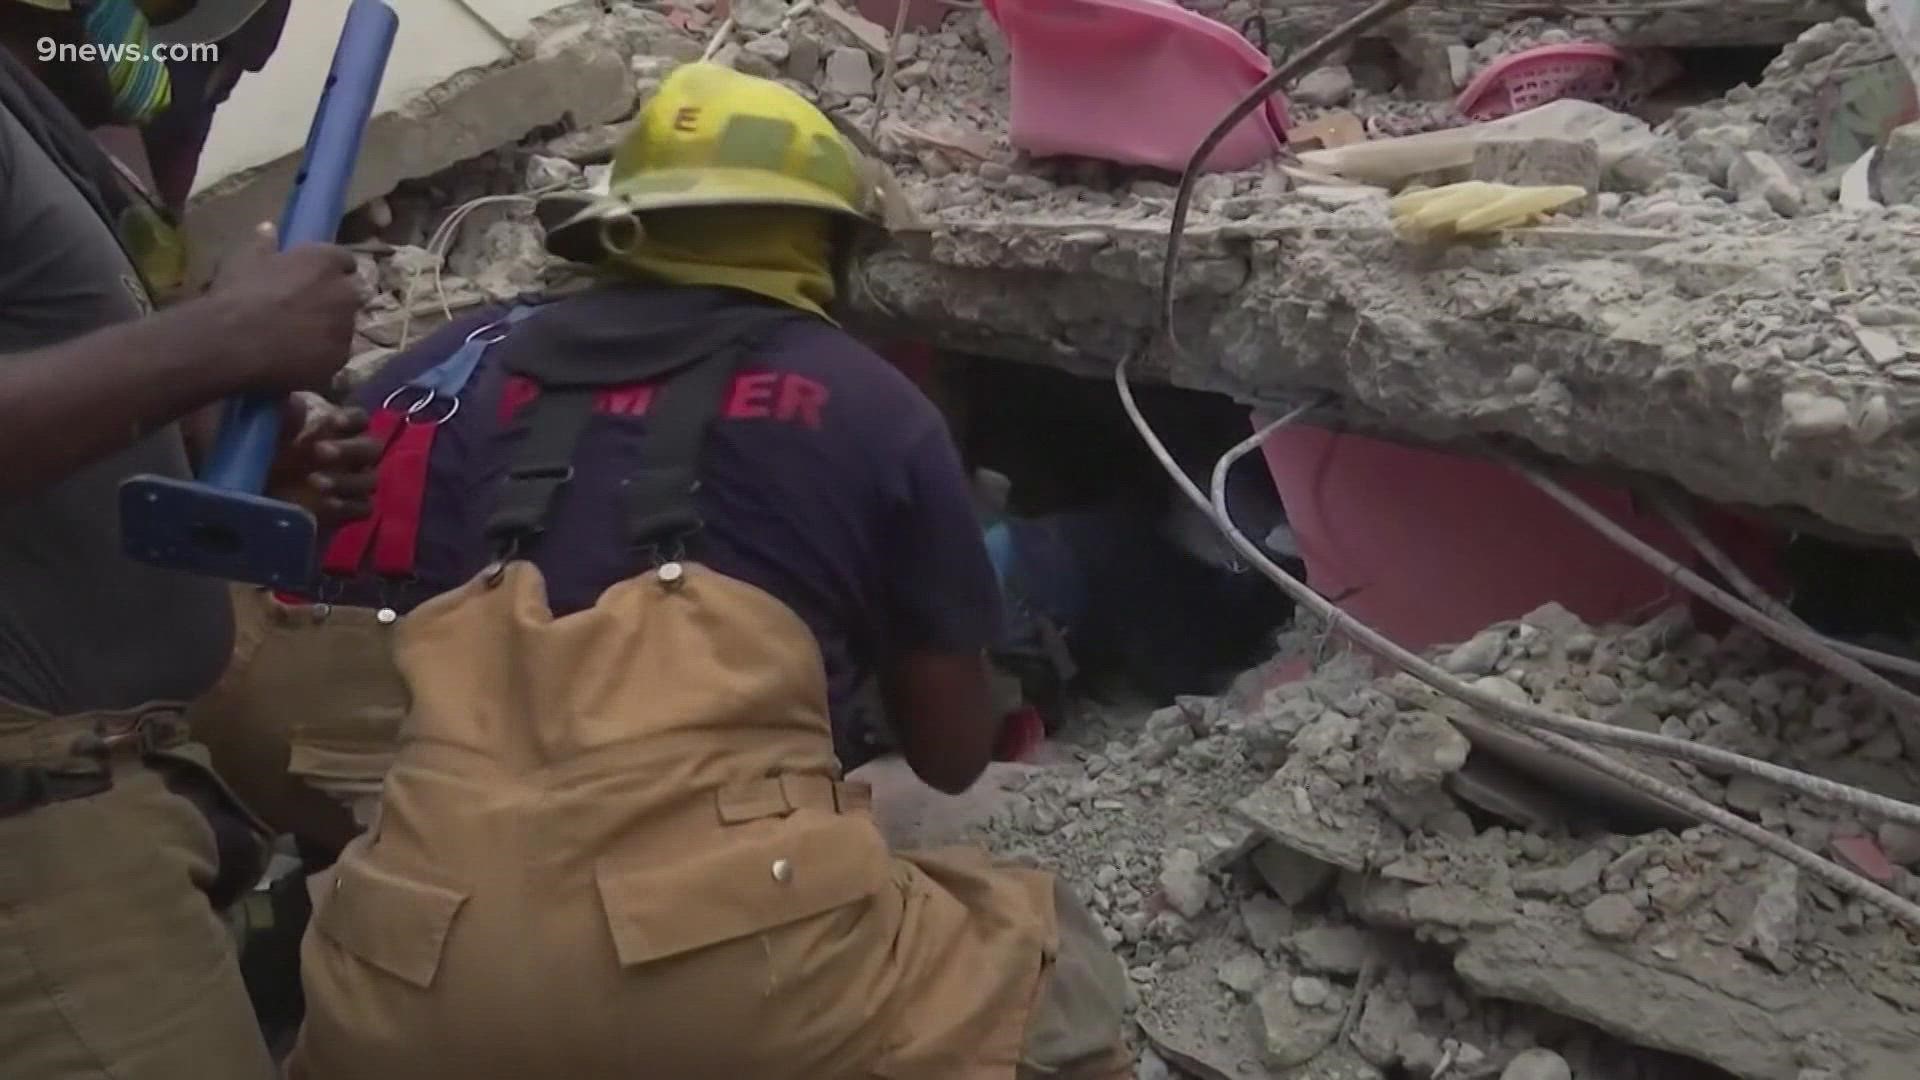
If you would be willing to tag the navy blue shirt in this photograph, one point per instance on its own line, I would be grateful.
(829, 481)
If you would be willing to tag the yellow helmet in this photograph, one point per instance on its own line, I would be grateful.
(712, 137)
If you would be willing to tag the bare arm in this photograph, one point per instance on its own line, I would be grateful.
(67, 405)
(273, 323)
(943, 708)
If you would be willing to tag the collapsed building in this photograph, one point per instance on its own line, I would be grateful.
(1343, 874)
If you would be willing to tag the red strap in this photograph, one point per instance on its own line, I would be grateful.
(348, 548)
(399, 497)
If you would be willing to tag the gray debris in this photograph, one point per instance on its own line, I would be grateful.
(1293, 876)
(1185, 886)
(1310, 993)
(1268, 922)
(1539, 161)
(849, 72)
(1385, 1021)
(1333, 950)
(1537, 1064)
(1478, 655)
(1896, 168)
(1288, 1033)
(1771, 931)
(1243, 974)
(1324, 88)
(1757, 175)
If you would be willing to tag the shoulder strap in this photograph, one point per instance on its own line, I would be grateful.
(659, 506)
(659, 495)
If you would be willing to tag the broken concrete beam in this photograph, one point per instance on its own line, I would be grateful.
(1692, 359)
(578, 76)
(1704, 1004)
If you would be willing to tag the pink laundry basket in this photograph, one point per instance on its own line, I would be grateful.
(1133, 81)
(1534, 77)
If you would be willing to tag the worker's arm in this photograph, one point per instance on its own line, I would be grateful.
(944, 610)
(945, 716)
(272, 324)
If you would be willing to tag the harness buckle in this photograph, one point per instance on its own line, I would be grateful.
(411, 414)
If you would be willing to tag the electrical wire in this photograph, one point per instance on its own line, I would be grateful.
(1529, 720)
(1751, 591)
(1796, 638)
(1568, 735)
(1373, 14)
(440, 243)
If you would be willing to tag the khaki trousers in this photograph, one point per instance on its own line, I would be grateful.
(113, 965)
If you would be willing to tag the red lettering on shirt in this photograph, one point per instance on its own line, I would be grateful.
(624, 400)
(757, 395)
(752, 396)
(801, 399)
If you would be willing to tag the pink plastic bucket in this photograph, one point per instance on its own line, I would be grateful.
(1431, 548)
(1137, 82)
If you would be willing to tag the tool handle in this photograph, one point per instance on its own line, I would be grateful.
(249, 435)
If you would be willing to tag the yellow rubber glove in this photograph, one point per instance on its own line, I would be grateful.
(1476, 208)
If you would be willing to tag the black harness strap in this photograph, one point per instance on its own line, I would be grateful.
(542, 465)
(659, 497)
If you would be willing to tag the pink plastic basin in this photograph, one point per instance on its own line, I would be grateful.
(1435, 547)
(1133, 81)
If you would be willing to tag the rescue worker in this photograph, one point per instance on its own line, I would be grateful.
(116, 844)
(247, 33)
(157, 149)
(643, 536)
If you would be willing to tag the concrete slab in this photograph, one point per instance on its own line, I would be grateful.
(459, 85)
(1719, 360)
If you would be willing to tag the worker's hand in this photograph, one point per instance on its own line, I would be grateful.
(327, 461)
(291, 313)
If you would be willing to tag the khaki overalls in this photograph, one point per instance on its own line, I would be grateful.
(306, 720)
(616, 843)
(113, 961)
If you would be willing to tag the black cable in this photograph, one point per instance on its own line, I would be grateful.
(1373, 14)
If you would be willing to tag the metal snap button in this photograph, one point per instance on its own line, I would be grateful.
(386, 616)
(672, 573)
(782, 871)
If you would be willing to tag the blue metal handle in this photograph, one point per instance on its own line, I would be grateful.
(250, 424)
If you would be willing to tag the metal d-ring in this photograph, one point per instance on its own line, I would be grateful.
(413, 411)
(495, 339)
(453, 406)
(416, 406)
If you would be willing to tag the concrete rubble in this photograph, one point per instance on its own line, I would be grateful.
(1349, 877)
(1715, 265)
(1308, 884)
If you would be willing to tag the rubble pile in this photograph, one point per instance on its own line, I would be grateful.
(1717, 263)
(1348, 875)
